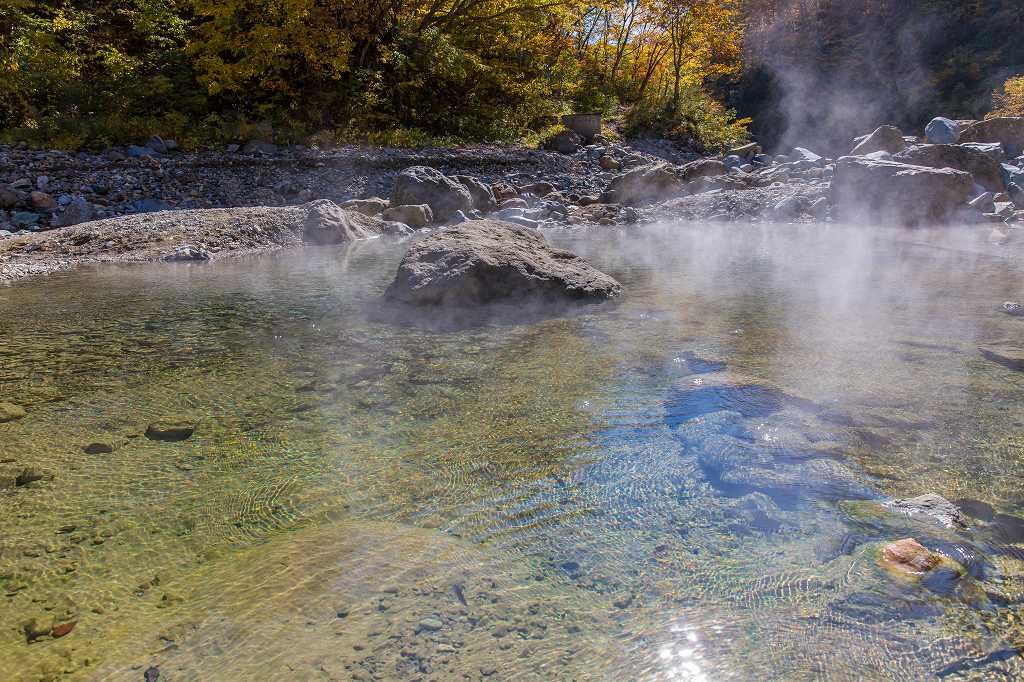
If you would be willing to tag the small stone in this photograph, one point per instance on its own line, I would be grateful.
(59, 631)
(429, 625)
(99, 448)
(37, 627)
(1013, 308)
(186, 253)
(624, 601)
(9, 412)
(26, 476)
(42, 201)
(170, 429)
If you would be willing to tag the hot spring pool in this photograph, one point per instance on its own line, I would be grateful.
(687, 484)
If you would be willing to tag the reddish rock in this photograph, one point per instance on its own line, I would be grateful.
(910, 556)
(62, 629)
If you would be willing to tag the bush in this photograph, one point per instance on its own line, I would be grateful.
(1009, 102)
(696, 120)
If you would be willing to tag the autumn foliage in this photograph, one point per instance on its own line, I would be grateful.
(94, 73)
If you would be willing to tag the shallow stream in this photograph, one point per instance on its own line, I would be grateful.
(687, 484)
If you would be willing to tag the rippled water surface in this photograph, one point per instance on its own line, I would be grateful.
(688, 484)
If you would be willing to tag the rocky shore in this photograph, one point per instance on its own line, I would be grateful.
(152, 202)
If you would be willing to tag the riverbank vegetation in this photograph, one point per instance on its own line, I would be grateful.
(90, 73)
(97, 73)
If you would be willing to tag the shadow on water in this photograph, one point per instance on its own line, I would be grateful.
(447, 319)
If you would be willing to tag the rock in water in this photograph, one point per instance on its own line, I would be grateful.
(987, 172)
(1005, 354)
(884, 139)
(942, 131)
(480, 261)
(424, 185)
(9, 412)
(890, 191)
(170, 429)
(934, 506)
(909, 556)
(1013, 308)
(1009, 131)
(328, 223)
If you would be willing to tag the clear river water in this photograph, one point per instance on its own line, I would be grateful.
(689, 483)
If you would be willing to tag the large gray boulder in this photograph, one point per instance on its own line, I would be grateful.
(480, 261)
(888, 191)
(985, 170)
(942, 131)
(1009, 131)
(328, 223)
(884, 139)
(658, 181)
(565, 142)
(702, 168)
(993, 150)
(647, 184)
(424, 185)
(483, 196)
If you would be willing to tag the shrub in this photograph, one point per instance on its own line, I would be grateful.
(695, 120)
(1009, 102)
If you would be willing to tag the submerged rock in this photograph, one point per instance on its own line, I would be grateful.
(934, 506)
(9, 412)
(735, 460)
(908, 558)
(480, 261)
(1013, 308)
(886, 190)
(100, 447)
(170, 429)
(1005, 354)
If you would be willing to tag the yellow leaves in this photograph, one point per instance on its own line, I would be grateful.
(268, 43)
(61, 22)
(1009, 102)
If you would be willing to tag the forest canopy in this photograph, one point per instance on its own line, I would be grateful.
(91, 73)
(386, 70)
